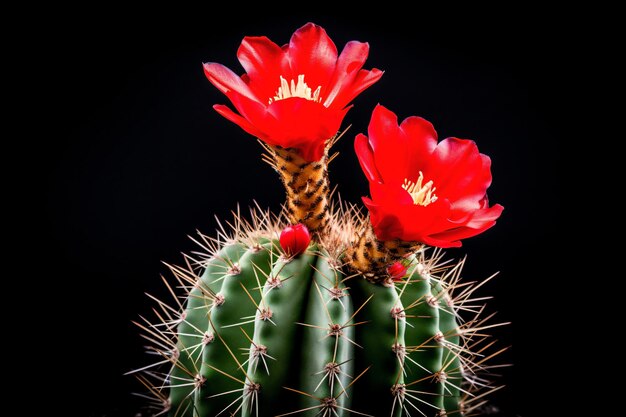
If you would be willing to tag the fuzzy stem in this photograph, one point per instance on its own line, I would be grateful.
(307, 187)
(370, 257)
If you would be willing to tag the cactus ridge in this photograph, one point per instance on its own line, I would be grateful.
(252, 332)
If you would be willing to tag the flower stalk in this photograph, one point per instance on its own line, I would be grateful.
(306, 186)
(371, 257)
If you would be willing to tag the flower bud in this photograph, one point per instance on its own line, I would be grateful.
(295, 239)
(396, 271)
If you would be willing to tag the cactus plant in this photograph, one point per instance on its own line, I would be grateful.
(322, 310)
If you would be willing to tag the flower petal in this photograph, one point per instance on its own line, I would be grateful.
(292, 123)
(312, 53)
(256, 113)
(421, 140)
(388, 145)
(366, 157)
(441, 243)
(386, 225)
(482, 220)
(419, 221)
(390, 194)
(305, 125)
(411, 222)
(350, 61)
(453, 166)
(258, 116)
(225, 80)
(485, 216)
(238, 120)
(264, 62)
(362, 81)
(348, 79)
(472, 195)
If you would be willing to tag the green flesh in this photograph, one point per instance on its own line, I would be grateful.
(262, 365)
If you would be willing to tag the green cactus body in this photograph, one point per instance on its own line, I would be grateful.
(451, 365)
(230, 323)
(328, 363)
(425, 358)
(382, 342)
(284, 299)
(263, 334)
(193, 330)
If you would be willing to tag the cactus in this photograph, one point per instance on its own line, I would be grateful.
(321, 310)
(263, 333)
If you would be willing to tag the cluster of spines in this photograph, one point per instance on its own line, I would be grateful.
(391, 370)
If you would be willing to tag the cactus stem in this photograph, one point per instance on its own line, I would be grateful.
(306, 184)
(184, 332)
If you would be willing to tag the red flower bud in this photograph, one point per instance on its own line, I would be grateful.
(295, 239)
(396, 271)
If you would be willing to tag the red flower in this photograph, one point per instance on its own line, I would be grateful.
(433, 193)
(295, 239)
(295, 96)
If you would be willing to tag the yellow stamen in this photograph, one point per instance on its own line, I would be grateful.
(422, 195)
(302, 90)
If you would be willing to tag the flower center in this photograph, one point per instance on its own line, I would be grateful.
(301, 89)
(422, 194)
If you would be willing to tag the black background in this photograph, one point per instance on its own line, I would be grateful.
(139, 161)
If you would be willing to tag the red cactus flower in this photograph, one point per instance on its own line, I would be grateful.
(295, 239)
(433, 193)
(397, 271)
(295, 96)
